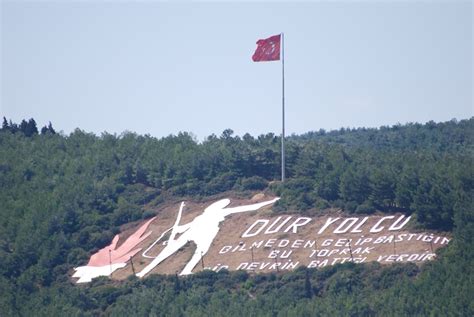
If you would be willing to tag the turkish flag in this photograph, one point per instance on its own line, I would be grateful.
(267, 49)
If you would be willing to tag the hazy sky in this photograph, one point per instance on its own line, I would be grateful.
(163, 67)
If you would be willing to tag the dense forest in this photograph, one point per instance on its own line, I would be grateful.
(65, 196)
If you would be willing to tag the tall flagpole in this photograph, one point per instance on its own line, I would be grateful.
(283, 108)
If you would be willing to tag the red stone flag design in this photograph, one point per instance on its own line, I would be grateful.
(268, 49)
(111, 254)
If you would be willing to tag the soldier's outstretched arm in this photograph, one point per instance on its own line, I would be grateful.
(252, 207)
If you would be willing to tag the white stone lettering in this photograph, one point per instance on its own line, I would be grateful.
(283, 243)
(397, 227)
(342, 242)
(301, 221)
(270, 230)
(327, 224)
(248, 234)
(270, 243)
(327, 242)
(297, 244)
(225, 249)
(357, 228)
(349, 221)
(376, 228)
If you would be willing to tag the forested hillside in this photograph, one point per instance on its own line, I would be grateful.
(65, 196)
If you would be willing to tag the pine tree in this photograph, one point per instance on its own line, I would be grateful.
(23, 126)
(31, 128)
(51, 129)
(48, 129)
(13, 127)
(5, 124)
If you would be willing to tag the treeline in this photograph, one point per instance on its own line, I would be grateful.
(412, 136)
(64, 196)
(27, 128)
(412, 168)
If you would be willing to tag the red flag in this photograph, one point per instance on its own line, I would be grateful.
(267, 49)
